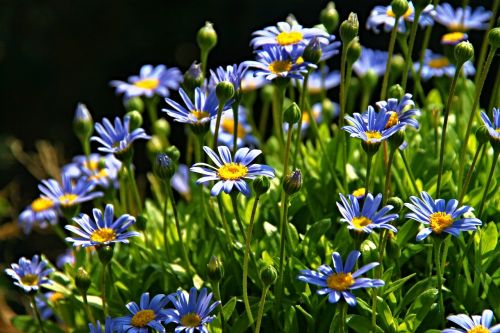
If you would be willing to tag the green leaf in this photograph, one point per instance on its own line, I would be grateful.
(489, 238)
(228, 308)
(393, 286)
(361, 324)
(420, 309)
(291, 324)
(417, 289)
(27, 324)
(386, 316)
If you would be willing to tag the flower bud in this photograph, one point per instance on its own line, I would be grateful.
(82, 280)
(83, 125)
(396, 91)
(267, 93)
(292, 182)
(134, 104)
(261, 185)
(164, 167)
(290, 19)
(349, 29)
(135, 120)
(353, 52)
(370, 79)
(268, 275)
(399, 7)
(154, 146)
(482, 135)
(312, 52)
(397, 203)
(368, 251)
(173, 153)
(193, 78)
(397, 64)
(292, 114)
(494, 37)
(224, 91)
(463, 52)
(140, 222)
(215, 269)
(161, 127)
(105, 254)
(207, 37)
(329, 17)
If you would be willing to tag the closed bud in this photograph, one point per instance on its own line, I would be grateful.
(396, 91)
(397, 139)
(290, 19)
(292, 114)
(292, 182)
(369, 251)
(269, 275)
(482, 135)
(134, 104)
(463, 51)
(141, 222)
(83, 125)
(349, 29)
(82, 280)
(370, 79)
(193, 78)
(399, 7)
(329, 17)
(207, 37)
(261, 185)
(494, 36)
(267, 93)
(105, 254)
(135, 120)
(161, 127)
(397, 203)
(328, 108)
(173, 152)
(353, 52)
(164, 167)
(224, 91)
(215, 269)
(397, 64)
(312, 52)
(154, 146)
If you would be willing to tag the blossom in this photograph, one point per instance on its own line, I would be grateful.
(103, 170)
(340, 281)
(370, 60)
(318, 81)
(108, 326)
(461, 19)
(180, 181)
(250, 82)
(231, 173)
(233, 74)
(148, 314)
(42, 212)
(493, 127)
(440, 216)
(384, 15)
(474, 324)
(401, 111)
(436, 65)
(30, 274)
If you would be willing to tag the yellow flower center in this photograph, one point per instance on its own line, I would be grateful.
(393, 120)
(199, 115)
(280, 66)
(101, 174)
(439, 62)
(390, 13)
(359, 192)
(191, 320)
(103, 235)
(440, 221)
(305, 118)
(30, 279)
(55, 297)
(149, 84)
(68, 199)
(228, 126)
(92, 165)
(479, 329)
(232, 171)
(457, 26)
(373, 135)
(289, 38)
(299, 60)
(142, 318)
(453, 37)
(339, 282)
(360, 222)
(41, 204)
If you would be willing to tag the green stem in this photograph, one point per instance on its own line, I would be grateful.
(135, 190)
(299, 125)
(439, 274)
(90, 316)
(217, 297)
(165, 205)
(495, 93)
(392, 42)
(365, 98)
(413, 33)
(263, 119)
(343, 316)
(204, 59)
(217, 124)
(343, 62)
(279, 95)
(283, 233)
(37, 313)
(408, 171)
(484, 45)
(378, 275)
(368, 171)
(468, 177)
(235, 126)
(103, 290)
(451, 94)
(486, 187)
(178, 227)
(261, 309)
(388, 173)
(152, 110)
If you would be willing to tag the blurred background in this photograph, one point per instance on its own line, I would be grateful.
(54, 54)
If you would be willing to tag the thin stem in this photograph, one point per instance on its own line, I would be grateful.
(299, 125)
(217, 123)
(368, 171)
(468, 177)
(90, 316)
(165, 205)
(178, 227)
(103, 290)
(495, 93)
(37, 313)
(135, 190)
(445, 124)
(261, 309)
(490, 176)
(343, 316)
(392, 41)
(413, 33)
(484, 45)
(343, 62)
(279, 95)
(388, 173)
(378, 275)
(152, 111)
(283, 226)
(439, 274)
(408, 171)
(235, 126)
(217, 297)
(263, 119)
(204, 59)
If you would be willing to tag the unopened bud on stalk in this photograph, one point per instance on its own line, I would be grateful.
(353, 52)
(312, 52)
(396, 91)
(267, 93)
(193, 78)
(494, 36)
(370, 79)
(83, 125)
(173, 152)
(292, 114)
(349, 29)
(397, 203)
(399, 7)
(215, 269)
(397, 64)
(269, 275)
(161, 127)
(135, 120)
(292, 182)
(224, 91)
(82, 280)
(207, 37)
(134, 103)
(464, 51)
(261, 185)
(164, 167)
(329, 17)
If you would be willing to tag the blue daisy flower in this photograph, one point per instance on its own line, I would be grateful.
(439, 216)
(46, 302)
(148, 314)
(437, 65)
(287, 35)
(318, 81)
(68, 194)
(117, 139)
(103, 230)
(233, 74)
(339, 281)
(250, 82)
(474, 324)
(192, 313)
(276, 62)
(359, 193)
(384, 15)
(401, 111)
(368, 218)
(151, 81)
(41, 212)
(103, 170)
(371, 126)
(68, 257)
(492, 126)
(30, 274)
(370, 60)
(180, 181)
(462, 20)
(231, 173)
(108, 326)
(453, 38)
(226, 130)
